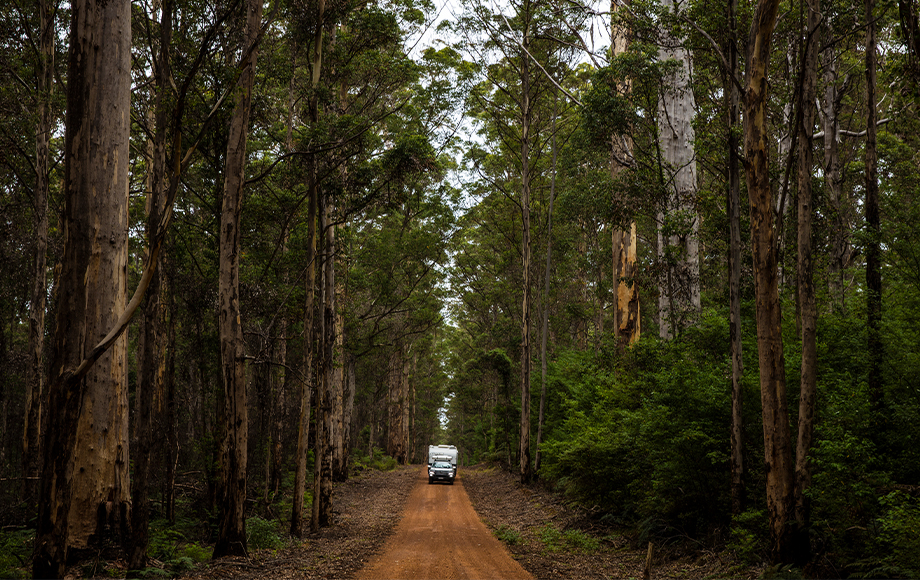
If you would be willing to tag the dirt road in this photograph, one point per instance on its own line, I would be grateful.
(441, 536)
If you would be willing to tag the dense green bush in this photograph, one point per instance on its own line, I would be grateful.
(645, 437)
(378, 461)
(262, 534)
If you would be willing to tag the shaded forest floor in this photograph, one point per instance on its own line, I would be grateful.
(549, 538)
(553, 540)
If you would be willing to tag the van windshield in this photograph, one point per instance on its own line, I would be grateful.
(442, 465)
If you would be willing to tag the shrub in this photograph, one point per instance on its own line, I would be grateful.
(508, 535)
(263, 534)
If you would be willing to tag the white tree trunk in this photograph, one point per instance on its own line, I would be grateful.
(678, 223)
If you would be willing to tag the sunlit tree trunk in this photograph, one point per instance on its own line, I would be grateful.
(777, 441)
(231, 535)
(627, 322)
(84, 498)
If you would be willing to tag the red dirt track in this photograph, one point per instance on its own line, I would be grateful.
(441, 536)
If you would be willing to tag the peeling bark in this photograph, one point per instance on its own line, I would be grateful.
(84, 497)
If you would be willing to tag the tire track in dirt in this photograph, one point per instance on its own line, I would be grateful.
(441, 536)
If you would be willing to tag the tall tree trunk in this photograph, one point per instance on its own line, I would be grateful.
(627, 322)
(306, 380)
(329, 403)
(839, 208)
(84, 497)
(734, 267)
(526, 117)
(874, 344)
(350, 361)
(397, 401)
(339, 463)
(35, 385)
(151, 357)
(805, 275)
(678, 223)
(777, 441)
(170, 418)
(322, 477)
(547, 273)
(280, 384)
(231, 539)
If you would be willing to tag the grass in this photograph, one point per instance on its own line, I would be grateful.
(508, 535)
(556, 540)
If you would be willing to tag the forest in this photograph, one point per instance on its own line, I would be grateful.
(659, 256)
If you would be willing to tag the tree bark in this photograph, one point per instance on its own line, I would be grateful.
(841, 252)
(35, 385)
(678, 223)
(310, 350)
(322, 477)
(151, 356)
(734, 267)
(84, 497)
(339, 455)
(777, 442)
(805, 278)
(231, 539)
(526, 472)
(547, 273)
(307, 377)
(627, 322)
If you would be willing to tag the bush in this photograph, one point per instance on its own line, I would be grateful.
(378, 461)
(508, 535)
(898, 540)
(749, 534)
(263, 534)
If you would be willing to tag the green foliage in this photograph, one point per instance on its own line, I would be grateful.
(378, 461)
(571, 539)
(646, 444)
(262, 534)
(173, 546)
(749, 535)
(508, 535)
(898, 541)
(16, 553)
